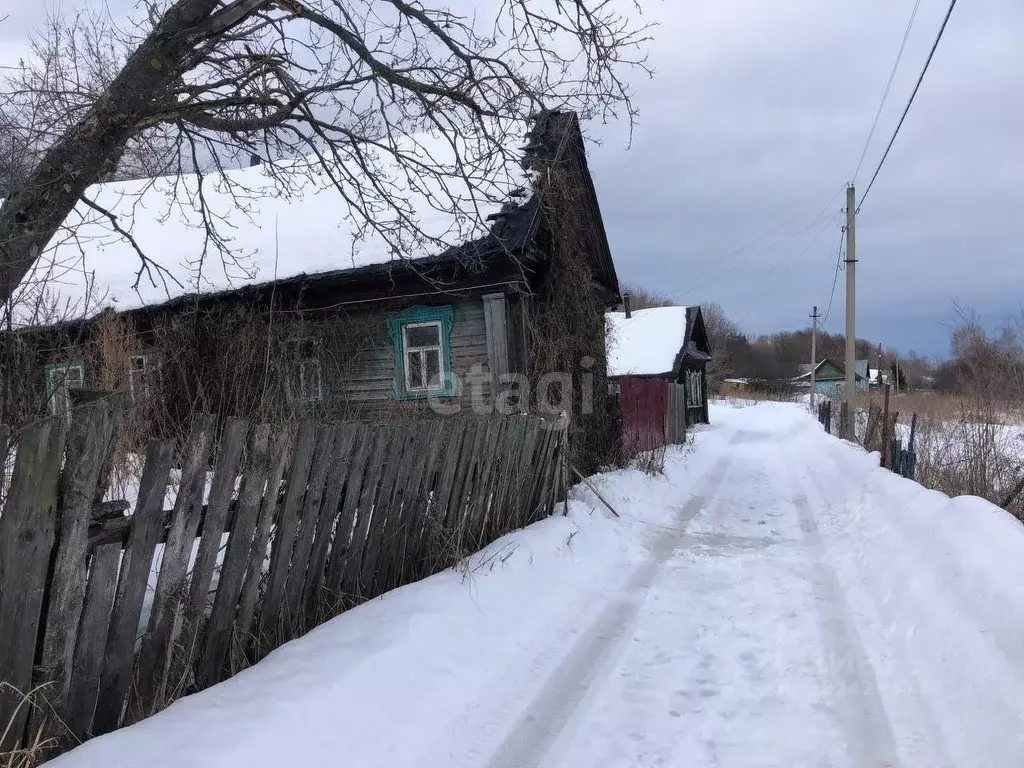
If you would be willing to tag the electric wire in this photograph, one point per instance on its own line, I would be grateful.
(910, 101)
(888, 88)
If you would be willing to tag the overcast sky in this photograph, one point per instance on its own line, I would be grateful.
(752, 126)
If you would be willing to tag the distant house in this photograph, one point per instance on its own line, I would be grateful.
(874, 377)
(322, 323)
(668, 343)
(829, 377)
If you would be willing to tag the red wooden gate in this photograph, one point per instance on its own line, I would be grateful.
(644, 404)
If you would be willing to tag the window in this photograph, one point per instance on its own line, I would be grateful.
(308, 380)
(305, 378)
(422, 357)
(142, 371)
(694, 390)
(423, 352)
(61, 378)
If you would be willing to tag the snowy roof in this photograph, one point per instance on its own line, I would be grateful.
(646, 343)
(271, 234)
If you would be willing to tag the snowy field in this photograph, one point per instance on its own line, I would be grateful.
(774, 599)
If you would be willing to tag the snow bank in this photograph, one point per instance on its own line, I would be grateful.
(647, 342)
(419, 653)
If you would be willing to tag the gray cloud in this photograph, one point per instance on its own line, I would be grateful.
(760, 110)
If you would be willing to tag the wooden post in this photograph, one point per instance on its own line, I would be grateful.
(886, 458)
(27, 531)
(89, 444)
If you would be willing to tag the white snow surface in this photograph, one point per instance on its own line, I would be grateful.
(774, 599)
(274, 221)
(645, 343)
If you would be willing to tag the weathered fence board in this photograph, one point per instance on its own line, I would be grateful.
(220, 630)
(92, 640)
(221, 491)
(88, 445)
(326, 521)
(131, 586)
(287, 527)
(28, 529)
(261, 540)
(154, 656)
(314, 523)
(322, 457)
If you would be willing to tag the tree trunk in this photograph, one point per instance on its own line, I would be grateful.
(31, 216)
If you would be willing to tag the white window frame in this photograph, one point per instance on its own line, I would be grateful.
(149, 368)
(300, 366)
(408, 350)
(60, 398)
(299, 381)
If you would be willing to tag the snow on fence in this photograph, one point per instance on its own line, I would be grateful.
(315, 521)
(653, 412)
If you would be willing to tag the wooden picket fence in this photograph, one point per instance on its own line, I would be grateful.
(653, 412)
(270, 534)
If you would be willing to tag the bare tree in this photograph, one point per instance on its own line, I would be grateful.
(335, 86)
(721, 330)
(644, 298)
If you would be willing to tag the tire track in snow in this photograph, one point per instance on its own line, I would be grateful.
(862, 717)
(565, 690)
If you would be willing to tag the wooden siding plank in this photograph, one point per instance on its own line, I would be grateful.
(92, 640)
(287, 526)
(220, 628)
(89, 443)
(27, 532)
(496, 333)
(158, 643)
(131, 586)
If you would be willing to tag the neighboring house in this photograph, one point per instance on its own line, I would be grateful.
(668, 343)
(320, 325)
(829, 377)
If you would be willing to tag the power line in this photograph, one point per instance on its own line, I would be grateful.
(888, 87)
(835, 276)
(719, 270)
(910, 101)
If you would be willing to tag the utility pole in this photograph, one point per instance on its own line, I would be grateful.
(814, 351)
(851, 312)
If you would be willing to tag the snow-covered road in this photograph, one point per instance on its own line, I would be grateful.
(774, 599)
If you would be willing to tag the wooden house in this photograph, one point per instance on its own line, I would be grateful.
(322, 325)
(829, 377)
(669, 343)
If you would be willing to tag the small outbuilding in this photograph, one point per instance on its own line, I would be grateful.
(669, 343)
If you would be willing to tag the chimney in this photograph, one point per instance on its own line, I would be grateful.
(625, 305)
(254, 159)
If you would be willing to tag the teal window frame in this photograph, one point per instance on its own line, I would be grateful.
(444, 316)
(51, 401)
